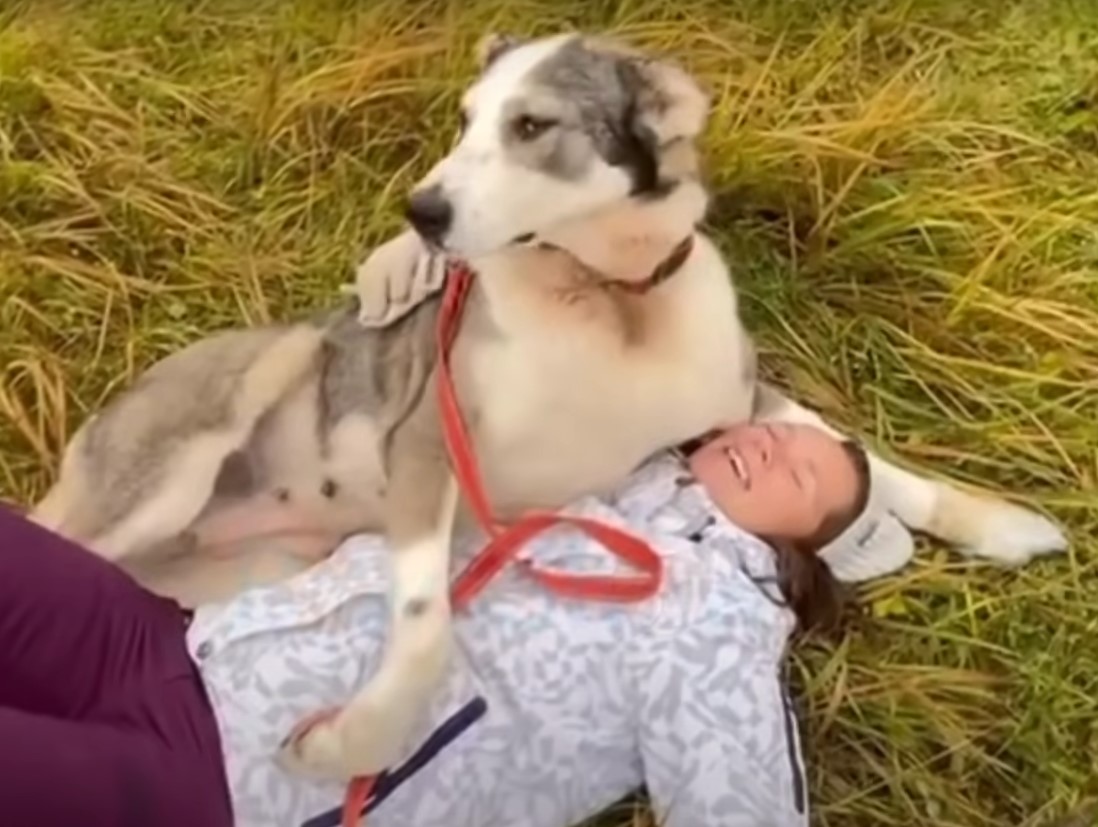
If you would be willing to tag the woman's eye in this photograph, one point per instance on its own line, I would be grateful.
(528, 128)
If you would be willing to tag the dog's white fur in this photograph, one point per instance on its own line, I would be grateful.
(560, 341)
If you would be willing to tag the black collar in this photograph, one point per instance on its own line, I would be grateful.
(661, 273)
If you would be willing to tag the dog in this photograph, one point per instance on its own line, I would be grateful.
(602, 327)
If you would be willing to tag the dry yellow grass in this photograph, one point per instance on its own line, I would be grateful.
(906, 191)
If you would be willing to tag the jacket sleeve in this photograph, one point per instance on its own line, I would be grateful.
(718, 738)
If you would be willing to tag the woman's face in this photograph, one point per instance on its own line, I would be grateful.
(780, 481)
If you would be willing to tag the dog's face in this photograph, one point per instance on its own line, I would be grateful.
(553, 129)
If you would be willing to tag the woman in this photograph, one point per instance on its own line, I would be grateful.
(553, 710)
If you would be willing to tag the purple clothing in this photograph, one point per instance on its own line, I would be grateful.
(104, 720)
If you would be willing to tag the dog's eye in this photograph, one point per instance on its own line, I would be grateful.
(527, 127)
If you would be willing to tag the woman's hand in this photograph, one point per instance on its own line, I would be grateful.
(395, 278)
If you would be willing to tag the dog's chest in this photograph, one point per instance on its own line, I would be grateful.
(557, 421)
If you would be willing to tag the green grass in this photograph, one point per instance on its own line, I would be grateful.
(906, 190)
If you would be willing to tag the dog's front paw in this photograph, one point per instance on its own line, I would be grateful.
(314, 748)
(1012, 535)
(361, 739)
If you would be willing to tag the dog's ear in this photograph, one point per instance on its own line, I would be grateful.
(667, 109)
(669, 104)
(492, 46)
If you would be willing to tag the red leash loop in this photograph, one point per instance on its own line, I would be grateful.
(507, 540)
(502, 549)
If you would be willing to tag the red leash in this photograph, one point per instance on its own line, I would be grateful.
(507, 540)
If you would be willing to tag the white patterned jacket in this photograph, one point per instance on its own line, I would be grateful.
(553, 709)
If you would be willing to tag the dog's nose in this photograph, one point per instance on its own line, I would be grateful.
(429, 211)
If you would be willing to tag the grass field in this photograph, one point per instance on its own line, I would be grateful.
(906, 190)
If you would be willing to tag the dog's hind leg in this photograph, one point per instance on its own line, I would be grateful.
(371, 732)
(144, 468)
(979, 525)
(172, 506)
(59, 510)
(73, 507)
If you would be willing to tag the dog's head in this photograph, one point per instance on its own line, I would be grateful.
(552, 130)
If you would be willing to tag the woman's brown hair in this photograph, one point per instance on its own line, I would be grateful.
(805, 581)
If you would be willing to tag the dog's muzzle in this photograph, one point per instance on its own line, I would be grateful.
(430, 213)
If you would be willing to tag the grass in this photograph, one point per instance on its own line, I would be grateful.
(906, 190)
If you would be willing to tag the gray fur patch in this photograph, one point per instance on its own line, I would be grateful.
(379, 372)
(594, 94)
